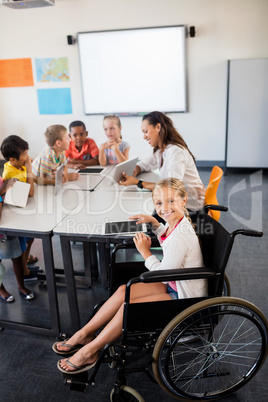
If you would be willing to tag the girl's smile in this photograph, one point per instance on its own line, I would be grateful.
(169, 205)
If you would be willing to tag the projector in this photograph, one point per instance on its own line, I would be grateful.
(20, 4)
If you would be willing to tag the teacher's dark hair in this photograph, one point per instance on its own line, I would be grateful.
(168, 134)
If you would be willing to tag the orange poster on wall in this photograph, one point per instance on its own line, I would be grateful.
(16, 73)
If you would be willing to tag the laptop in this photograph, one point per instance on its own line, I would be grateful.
(124, 228)
(18, 194)
(58, 179)
(115, 175)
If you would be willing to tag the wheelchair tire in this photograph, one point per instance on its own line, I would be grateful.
(211, 349)
(126, 394)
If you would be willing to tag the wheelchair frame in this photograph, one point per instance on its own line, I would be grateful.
(199, 348)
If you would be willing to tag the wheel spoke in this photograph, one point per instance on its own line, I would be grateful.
(213, 351)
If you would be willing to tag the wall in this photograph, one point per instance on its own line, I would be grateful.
(225, 29)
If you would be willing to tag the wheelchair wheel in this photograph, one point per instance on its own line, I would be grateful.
(228, 347)
(226, 286)
(126, 394)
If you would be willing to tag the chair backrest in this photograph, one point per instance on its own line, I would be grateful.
(211, 191)
(216, 244)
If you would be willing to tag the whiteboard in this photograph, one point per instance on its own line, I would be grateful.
(133, 71)
(247, 114)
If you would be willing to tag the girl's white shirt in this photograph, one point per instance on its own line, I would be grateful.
(181, 249)
(178, 163)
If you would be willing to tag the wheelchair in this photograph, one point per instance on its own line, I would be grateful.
(195, 349)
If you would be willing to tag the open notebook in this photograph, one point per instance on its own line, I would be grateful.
(18, 194)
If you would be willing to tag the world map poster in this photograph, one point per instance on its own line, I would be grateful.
(52, 69)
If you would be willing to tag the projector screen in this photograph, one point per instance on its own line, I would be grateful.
(134, 71)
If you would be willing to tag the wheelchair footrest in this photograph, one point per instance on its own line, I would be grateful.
(77, 382)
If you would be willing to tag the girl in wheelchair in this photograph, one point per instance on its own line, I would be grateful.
(180, 249)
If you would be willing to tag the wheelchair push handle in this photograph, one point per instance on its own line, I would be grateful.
(215, 208)
(248, 232)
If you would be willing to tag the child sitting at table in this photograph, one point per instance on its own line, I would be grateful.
(181, 249)
(10, 249)
(82, 151)
(53, 156)
(19, 166)
(115, 150)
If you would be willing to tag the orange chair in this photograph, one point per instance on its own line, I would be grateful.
(211, 191)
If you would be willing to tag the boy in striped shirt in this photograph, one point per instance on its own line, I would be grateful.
(53, 156)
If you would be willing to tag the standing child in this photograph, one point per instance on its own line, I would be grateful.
(53, 156)
(115, 150)
(19, 166)
(82, 150)
(181, 249)
(10, 249)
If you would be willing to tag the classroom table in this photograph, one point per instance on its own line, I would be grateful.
(42, 213)
(107, 184)
(86, 223)
(87, 181)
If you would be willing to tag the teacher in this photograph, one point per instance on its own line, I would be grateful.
(171, 156)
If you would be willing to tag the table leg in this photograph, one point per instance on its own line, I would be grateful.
(87, 263)
(51, 285)
(104, 256)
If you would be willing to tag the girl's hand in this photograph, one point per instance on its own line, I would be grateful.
(128, 180)
(143, 244)
(113, 145)
(141, 218)
(136, 171)
(105, 145)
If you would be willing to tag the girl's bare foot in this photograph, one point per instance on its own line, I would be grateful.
(79, 359)
(77, 339)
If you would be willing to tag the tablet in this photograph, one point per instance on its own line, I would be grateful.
(126, 167)
(91, 170)
(124, 228)
(58, 179)
(18, 194)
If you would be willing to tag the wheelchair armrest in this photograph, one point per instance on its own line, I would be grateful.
(130, 243)
(176, 275)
